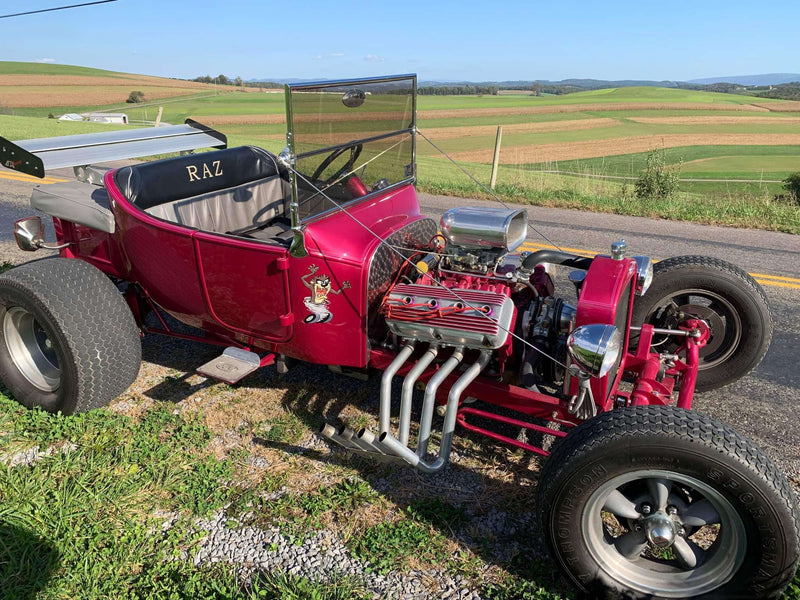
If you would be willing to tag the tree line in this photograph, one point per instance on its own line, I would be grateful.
(236, 81)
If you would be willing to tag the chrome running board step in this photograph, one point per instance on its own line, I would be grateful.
(387, 445)
(234, 364)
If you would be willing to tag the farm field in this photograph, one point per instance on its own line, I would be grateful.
(577, 150)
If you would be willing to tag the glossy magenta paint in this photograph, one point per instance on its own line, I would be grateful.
(253, 291)
(605, 287)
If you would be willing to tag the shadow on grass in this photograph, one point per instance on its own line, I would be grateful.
(26, 562)
(488, 510)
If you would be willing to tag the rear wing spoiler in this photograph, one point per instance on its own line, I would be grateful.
(34, 157)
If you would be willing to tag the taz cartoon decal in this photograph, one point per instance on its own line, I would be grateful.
(318, 302)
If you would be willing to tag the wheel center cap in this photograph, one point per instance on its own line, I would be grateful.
(660, 530)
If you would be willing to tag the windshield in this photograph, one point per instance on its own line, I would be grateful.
(350, 138)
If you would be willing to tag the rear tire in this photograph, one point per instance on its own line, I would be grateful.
(68, 342)
(727, 298)
(721, 520)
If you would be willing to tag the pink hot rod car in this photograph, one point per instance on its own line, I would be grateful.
(321, 254)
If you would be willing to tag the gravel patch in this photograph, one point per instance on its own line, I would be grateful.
(30, 456)
(322, 557)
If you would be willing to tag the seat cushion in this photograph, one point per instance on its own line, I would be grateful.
(162, 181)
(247, 206)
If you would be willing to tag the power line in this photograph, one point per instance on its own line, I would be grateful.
(33, 12)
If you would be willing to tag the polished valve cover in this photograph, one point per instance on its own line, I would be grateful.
(470, 318)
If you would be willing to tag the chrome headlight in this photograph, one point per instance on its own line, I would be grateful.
(644, 274)
(595, 348)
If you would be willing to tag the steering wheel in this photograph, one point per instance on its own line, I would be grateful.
(355, 151)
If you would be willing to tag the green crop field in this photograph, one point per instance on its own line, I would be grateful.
(571, 150)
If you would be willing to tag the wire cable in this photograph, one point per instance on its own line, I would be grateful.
(44, 10)
(383, 242)
(483, 187)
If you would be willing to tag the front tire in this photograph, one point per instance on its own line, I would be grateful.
(68, 342)
(659, 502)
(724, 296)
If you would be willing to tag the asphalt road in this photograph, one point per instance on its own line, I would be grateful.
(763, 405)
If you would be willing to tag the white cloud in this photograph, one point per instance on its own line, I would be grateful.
(374, 58)
(329, 55)
(45, 60)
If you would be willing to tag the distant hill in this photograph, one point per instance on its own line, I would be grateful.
(586, 84)
(766, 79)
(45, 85)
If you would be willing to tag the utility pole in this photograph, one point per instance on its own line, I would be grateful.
(496, 158)
(158, 117)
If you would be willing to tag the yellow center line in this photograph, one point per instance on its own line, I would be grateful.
(791, 286)
(763, 279)
(779, 278)
(30, 179)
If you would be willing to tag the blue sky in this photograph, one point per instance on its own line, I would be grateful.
(478, 41)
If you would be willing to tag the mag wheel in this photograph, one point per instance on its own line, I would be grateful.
(31, 349)
(658, 502)
(68, 342)
(726, 298)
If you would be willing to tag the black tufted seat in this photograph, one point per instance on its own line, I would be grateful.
(238, 190)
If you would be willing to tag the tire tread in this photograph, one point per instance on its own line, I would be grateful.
(99, 328)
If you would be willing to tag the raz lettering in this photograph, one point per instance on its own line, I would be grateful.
(207, 172)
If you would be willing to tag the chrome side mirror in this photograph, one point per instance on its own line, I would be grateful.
(29, 233)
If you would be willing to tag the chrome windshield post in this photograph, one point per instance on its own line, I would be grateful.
(287, 157)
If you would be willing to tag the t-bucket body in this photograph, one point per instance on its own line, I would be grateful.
(322, 254)
(253, 291)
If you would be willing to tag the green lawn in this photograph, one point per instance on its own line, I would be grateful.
(728, 162)
(109, 507)
(23, 128)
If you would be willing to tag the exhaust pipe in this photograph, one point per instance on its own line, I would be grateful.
(408, 391)
(430, 399)
(386, 385)
(415, 459)
(365, 436)
(329, 432)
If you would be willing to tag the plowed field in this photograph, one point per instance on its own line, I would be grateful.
(623, 145)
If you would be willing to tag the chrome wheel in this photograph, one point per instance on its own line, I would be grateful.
(31, 349)
(723, 320)
(664, 533)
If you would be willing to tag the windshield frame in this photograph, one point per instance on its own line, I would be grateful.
(410, 131)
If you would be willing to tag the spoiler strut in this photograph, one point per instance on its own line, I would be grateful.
(34, 157)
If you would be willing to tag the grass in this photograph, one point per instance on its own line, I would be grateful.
(733, 205)
(732, 162)
(110, 507)
(26, 68)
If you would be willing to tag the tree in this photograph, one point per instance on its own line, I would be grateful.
(238, 81)
(135, 97)
(792, 185)
(658, 180)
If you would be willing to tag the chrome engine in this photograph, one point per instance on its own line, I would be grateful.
(458, 318)
(475, 293)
